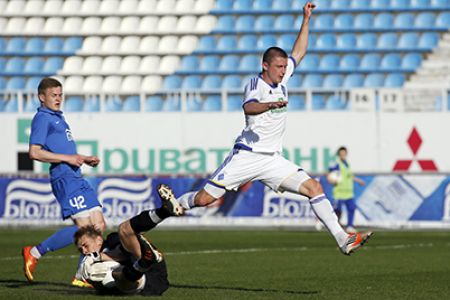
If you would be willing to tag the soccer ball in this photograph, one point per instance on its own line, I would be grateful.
(334, 177)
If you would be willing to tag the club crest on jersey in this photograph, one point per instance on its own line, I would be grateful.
(69, 135)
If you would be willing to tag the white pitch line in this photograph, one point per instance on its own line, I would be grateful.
(246, 250)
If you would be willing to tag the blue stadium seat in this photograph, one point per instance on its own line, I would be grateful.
(245, 22)
(131, 103)
(320, 4)
(153, 103)
(380, 4)
(194, 104)
(229, 63)
(346, 41)
(210, 63)
(324, 21)
(326, 41)
(411, 61)
(15, 65)
(394, 80)
(363, 21)
(16, 45)
(404, 20)
(53, 45)
(35, 45)
(408, 40)
(190, 63)
(282, 4)
(172, 104)
(191, 82)
(3, 44)
(227, 43)
(234, 103)
(264, 22)
(329, 62)
(53, 64)
(295, 82)
(299, 19)
(73, 104)
(224, 5)
(374, 80)
(265, 41)
(391, 61)
(32, 104)
(439, 3)
(113, 104)
(312, 41)
(425, 20)
(92, 104)
(172, 82)
(225, 23)
(349, 62)
(212, 103)
(318, 102)
(243, 4)
(284, 22)
(420, 4)
(309, 62)
(353, 81)
(32, 83)
(211, 82)
(2, 83)
(247, 42)
(250, 63)
(2, 63)
(262, 4)
(360, 4)
(343, 21)
(332, 81)
(387, 40)
(367, 41)
(34, 65)
(370, 61)
(335, 103)
(231, 82)
(296, 102)
(72, 44)
(443, 20)
(11, 105)
(400, 4)
(207, 43)
(312, 80)
(383, 20)
(428, 40)
(286, 41)
(341, 4)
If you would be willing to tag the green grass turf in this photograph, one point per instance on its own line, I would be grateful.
(256, 265)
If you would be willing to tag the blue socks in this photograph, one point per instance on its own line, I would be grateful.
(60, 239)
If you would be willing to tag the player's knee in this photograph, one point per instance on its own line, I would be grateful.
(100, 225)
(203, 198)
(311, 188)
(125, 230)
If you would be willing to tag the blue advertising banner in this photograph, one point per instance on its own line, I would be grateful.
(385, 201)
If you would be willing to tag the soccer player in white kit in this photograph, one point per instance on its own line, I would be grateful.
(256, 154)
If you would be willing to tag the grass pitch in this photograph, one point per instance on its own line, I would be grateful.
(255, 265)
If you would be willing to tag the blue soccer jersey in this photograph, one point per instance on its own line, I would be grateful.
(50, 130)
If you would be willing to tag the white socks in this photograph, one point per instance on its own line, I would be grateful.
(34, 251)
(324, 211)
(187, 200)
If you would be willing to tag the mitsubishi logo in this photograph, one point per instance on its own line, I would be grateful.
(414, 142)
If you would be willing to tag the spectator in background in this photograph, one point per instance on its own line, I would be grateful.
(341, 177)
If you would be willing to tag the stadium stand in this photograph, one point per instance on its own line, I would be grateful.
(157, 49)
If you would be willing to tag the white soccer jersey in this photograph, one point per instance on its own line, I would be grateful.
(264, 132)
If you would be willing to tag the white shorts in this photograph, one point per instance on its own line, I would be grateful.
(242, 166)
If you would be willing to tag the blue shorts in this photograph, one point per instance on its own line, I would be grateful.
(74, 195)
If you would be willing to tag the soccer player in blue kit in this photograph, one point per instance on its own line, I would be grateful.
(51, 141)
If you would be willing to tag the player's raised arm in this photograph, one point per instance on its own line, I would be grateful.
(301, 43)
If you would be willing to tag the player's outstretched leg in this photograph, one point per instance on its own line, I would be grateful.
(355, 241)
(169, 201)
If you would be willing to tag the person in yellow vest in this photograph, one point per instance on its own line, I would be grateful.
(342, 178)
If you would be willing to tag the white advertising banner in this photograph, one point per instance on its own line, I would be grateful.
(187, 143)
